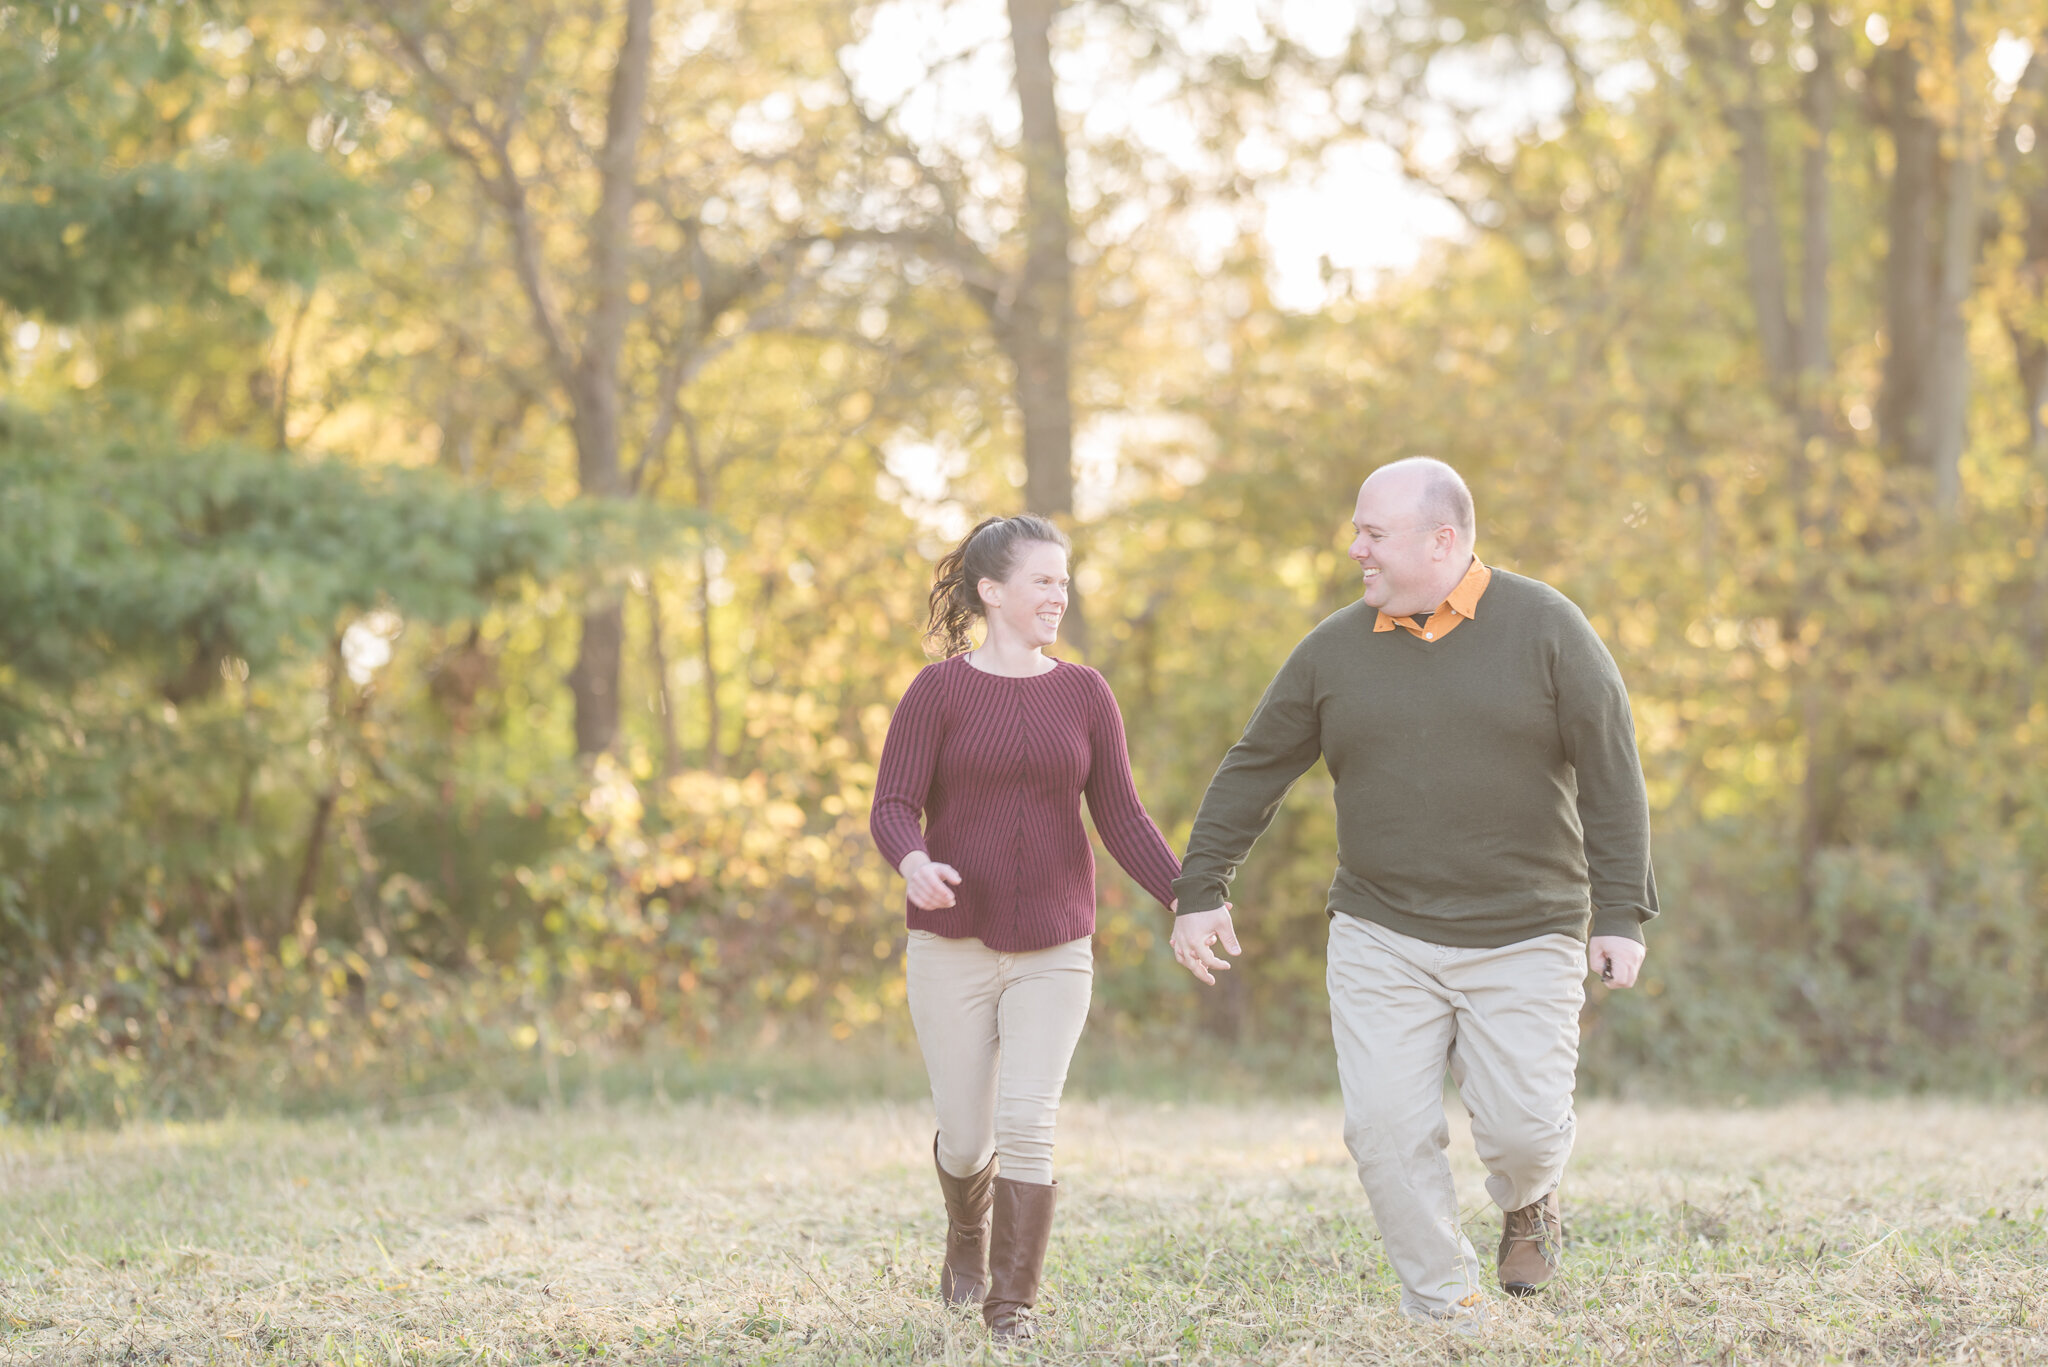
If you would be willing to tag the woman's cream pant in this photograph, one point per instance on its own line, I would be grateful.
(997, 1031)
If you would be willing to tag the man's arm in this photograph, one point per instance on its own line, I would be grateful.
(1279, 744)
(1599, 739)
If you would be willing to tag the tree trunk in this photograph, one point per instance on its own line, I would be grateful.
(1798, 360)
(1949, 399)
(1763, 242)
(1814, 396)
(316, 845)
(1040, 331)
(657, 651)
(1910, 265)
(281, 414)
(702, 486)
(594, 681)
(323, 801)
(1037, 328)
(1948, 405)
(714, 723)
(595, 387)
(2027, 173)
(2030, 363)
(1815, 354)
(1764, 247)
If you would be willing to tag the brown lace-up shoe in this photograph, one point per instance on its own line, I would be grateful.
(1022, 1229)
(963, 1278)
(1531, 1246)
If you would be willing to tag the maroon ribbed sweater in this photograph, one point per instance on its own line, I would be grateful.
(997, 767)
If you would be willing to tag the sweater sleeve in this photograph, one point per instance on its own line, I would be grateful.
(1127, 829)
(1283, 738)
(1599, 737)
(904, 777)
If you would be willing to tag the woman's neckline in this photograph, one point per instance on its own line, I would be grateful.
(966, 658)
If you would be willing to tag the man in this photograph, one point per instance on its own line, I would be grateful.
(1490, 817)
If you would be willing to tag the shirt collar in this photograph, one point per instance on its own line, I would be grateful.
(1463, 600)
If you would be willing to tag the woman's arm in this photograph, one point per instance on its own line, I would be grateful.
(1127, 829)
(903, 779)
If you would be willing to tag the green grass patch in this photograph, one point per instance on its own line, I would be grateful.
(728, 1230)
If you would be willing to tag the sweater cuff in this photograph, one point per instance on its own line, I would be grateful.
(1165, 895)
(1626, 922)
(896, 853)
(1199, 892)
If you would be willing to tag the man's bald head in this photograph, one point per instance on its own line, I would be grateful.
(1435, 491)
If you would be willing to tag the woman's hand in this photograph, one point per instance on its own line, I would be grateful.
(928, 881)
(1195, 932)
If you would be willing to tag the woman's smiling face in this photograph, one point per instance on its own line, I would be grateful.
(1030, 602)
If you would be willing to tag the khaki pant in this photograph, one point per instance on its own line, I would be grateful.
(997, 1031)
(1505, 1023)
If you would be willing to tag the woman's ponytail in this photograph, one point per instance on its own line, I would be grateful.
(987, 552)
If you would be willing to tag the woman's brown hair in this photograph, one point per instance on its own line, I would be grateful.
(988, 552)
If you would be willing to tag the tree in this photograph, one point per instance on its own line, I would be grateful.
(609, 242)
(146, 575)
(1001, 219)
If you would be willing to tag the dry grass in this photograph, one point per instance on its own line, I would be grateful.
(1859, 1232)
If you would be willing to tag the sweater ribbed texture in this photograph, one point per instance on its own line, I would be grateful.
(997, 767)
(1487, 784)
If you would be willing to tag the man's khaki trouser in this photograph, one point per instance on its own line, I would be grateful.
(997, 1031)
(1505, 1022)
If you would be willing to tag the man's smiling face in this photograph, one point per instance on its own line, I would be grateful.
(1399, 551)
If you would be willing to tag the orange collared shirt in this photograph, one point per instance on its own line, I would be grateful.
(1461, 606)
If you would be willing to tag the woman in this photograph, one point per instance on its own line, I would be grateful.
(994, 747)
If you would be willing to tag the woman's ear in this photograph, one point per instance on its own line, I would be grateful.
(991, 593)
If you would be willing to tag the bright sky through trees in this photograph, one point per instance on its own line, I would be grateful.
(948, 66)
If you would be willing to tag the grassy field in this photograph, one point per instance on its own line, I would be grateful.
(729, 1232)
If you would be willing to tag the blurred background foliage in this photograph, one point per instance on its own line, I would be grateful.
(469, 475)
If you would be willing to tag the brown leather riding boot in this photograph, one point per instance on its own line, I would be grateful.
(1531, 1246)
(1019, 1234)
(963, 1277)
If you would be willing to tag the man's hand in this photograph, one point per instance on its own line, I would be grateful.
(928, 881)
(1195, 932)
(1615, 959)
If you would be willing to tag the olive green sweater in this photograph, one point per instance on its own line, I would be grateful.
(1488, 788)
